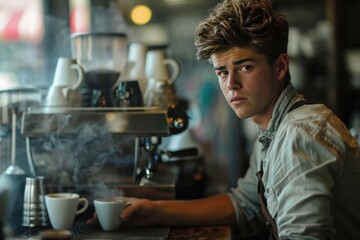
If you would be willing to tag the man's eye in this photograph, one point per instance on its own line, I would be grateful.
(246, 68)
(222, 73)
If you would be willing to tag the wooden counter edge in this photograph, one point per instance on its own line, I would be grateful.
(201, 232)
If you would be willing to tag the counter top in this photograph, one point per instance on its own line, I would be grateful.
(203, 233)
(81, 231)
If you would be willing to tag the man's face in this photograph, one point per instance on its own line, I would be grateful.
(248, 83)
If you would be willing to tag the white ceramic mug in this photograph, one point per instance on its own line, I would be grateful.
(157, 64)
(68, 73)
(108, 212)
(63, 207)
(137, 55)
(56, 97)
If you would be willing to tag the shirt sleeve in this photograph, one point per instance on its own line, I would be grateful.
(303, 175)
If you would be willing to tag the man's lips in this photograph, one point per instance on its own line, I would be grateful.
(237, 100)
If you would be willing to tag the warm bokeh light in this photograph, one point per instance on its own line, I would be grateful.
(141, 14)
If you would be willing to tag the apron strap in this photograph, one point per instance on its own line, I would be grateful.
(297, 105)
(269, 221)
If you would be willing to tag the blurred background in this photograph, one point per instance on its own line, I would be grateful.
(324, 48)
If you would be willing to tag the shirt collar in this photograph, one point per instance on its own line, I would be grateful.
(287, 97)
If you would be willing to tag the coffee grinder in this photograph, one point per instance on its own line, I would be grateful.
(103, 57)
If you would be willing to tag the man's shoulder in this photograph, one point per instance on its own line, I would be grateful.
(315, 122)
(309, 114)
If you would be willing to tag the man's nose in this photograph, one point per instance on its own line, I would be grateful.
(233, 81)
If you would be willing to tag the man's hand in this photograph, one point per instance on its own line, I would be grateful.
(141, 212)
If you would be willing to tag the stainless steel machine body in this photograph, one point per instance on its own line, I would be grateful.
(97, 151)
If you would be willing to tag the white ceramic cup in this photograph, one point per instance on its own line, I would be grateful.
(68, 73)
(157, 66)
(63, 207)
(55, 97)
(137, 55)
(108, 212)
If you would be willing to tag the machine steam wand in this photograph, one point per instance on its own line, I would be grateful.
(151, 144)
(154, 157)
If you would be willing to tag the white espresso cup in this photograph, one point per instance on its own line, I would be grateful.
(108, 212)
(63, 207)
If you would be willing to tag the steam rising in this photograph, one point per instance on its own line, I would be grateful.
(93, 156)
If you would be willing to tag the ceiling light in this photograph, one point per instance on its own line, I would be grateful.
(141, 14)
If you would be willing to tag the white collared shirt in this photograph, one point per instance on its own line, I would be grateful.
(311, 167)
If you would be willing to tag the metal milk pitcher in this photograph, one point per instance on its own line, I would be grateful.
(35, 213)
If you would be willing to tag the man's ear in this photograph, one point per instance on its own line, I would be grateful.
(282, 65)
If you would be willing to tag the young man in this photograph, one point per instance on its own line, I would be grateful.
(307, 161)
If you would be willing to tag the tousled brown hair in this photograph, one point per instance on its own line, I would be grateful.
(243, 23)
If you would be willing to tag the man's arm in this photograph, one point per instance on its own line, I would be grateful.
(215, 210)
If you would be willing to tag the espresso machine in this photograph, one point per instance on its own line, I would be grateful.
(101, 149)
